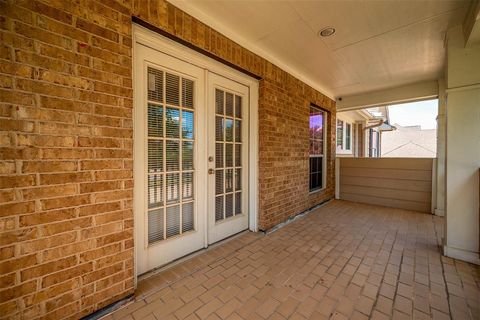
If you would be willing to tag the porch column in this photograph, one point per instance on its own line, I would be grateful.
(441, 126)
(462, 148)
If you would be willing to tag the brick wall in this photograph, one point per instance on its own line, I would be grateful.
(284, 150)
(66, 149)
(66, 221)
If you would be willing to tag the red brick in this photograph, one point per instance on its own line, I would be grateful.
(99, 208)
(16, 181)
(67, 274)
(18, 236)
(46, 217)
(51, 292)
(7, 167)
(64, 226)
(49, 11)
(16, 125)
(45, 243)
(71, 201)
(42, 35)
(18, 263)
(48, 166)
(48, 268)
(93, 28)
(49, 192)
(45, 140)
(17, 291)
(60, 178)
(63, 104)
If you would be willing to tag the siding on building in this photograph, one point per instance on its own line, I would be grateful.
(66, 184)
(393, 182)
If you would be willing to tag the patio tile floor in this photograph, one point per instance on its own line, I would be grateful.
(343, 260)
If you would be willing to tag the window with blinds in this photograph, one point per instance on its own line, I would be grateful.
(317, 148)
(170, 123)
(228, 155)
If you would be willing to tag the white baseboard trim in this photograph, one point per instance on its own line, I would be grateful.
(439, 212)
(464, 255)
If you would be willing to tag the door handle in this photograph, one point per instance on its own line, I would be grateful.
(211, 171)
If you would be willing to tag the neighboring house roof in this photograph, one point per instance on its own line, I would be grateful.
(409, 142)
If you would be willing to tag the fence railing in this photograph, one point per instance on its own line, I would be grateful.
(393, 182)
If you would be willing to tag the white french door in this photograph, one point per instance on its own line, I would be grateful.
(191, 176)
(228, 157)
(170, 139)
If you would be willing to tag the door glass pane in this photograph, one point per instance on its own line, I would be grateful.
(219, 155)
(229, 155)
(238, 131)
(187, 185)
(173, 155)
(187, 217)
(218, 181)
(219, 208)
(173, 89)
(229, 104)
(155, 121)
(187, 124)
(187, 155)
(155, 85)
(238, 203)
(219, 128)
(219, 101)
(155, 156)
(238, 106)
(238, 155)
(155, 225)
(173, 187)
(187, 93)
(228, 130)
(170, 129)
(155, 190)
(173, 221)
(229, 205)
(238, 179)
(229, 180)
(172, 123)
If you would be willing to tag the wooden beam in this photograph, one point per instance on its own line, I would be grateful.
(408, 93)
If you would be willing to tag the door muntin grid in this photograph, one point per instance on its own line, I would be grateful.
(170, 149)
(228, 155)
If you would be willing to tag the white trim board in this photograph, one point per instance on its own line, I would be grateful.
(418, 91)
(169, 47)
(460, 254)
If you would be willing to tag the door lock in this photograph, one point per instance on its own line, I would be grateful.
(210, 159)
(211, 171)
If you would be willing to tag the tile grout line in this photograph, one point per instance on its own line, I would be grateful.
(168, 284)
(443, 273)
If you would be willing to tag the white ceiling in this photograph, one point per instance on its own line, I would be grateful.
(377, 44)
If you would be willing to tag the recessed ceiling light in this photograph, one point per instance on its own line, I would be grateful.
(326, 32)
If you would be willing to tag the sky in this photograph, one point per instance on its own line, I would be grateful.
(423, 113)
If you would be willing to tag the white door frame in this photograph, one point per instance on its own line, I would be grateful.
(162, 252)
(155, 41)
